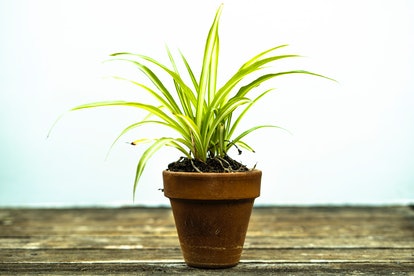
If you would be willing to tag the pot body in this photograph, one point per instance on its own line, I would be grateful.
(212, 213)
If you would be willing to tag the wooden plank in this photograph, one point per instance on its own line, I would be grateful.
(106, 221)
(311, 255)
(269, 227)
(283, 222)
(181, 268)
(162, 216)
(150, 242)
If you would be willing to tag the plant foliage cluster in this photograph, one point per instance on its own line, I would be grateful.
(201, 113)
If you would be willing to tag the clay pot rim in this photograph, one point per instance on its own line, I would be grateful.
(212, 174)
(212, 186)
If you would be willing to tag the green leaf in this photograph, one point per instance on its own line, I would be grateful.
(129, 128)
(198, 148)
(242, 114)
(150, 108)
(170, 104)
(190, 72)
(257, 57)
(173, 106)
(222, 115)
(208, 72)
(157, 145)
(184, 99)
(176, 77)
(250, 130)
(181, 145)
(243, 145)
(245, 89)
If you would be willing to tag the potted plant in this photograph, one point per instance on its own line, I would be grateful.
(211, 194)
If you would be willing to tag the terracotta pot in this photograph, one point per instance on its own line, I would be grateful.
(212, 213)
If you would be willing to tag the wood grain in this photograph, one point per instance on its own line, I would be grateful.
(292, 240)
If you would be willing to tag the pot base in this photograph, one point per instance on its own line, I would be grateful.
(212, 233)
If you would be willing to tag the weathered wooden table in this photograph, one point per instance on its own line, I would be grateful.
(143, 241)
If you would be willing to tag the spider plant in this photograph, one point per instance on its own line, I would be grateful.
(201, 113)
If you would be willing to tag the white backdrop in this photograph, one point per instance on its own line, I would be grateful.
(351, 142)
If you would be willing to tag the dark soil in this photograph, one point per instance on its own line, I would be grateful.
(216, 164)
